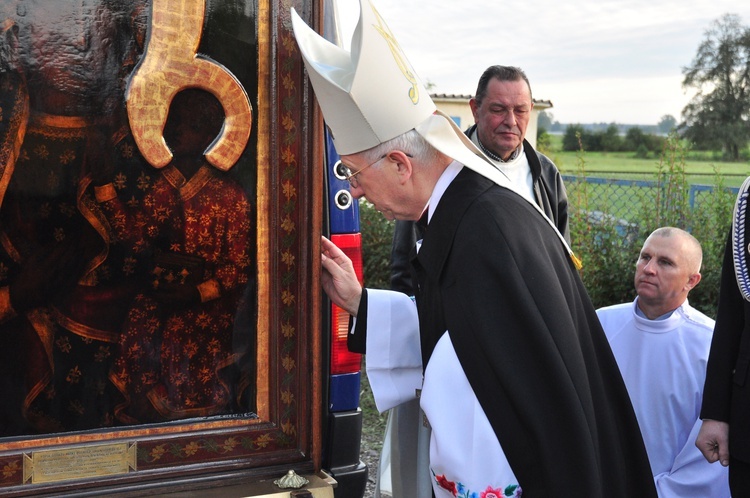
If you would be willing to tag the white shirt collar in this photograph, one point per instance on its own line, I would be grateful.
(450, 173)
(663, 323)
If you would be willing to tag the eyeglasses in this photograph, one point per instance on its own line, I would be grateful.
(350, 177)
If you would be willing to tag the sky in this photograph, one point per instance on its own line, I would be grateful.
(610, 61)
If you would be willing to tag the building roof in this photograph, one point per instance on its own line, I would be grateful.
(540, 104)
(450, 96)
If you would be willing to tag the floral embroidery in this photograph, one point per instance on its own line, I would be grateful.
(490, 492)
(446, 484)
(459, 490)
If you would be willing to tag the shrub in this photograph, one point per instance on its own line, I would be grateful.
(641, 152)
(610, 140)
(609, 247)
(543, 142)
(710, 225)
(635, 139)
(655, 143)
(377, 239)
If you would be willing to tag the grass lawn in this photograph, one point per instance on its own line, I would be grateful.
(625, 165)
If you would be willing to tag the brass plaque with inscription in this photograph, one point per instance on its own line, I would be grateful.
(79, 463)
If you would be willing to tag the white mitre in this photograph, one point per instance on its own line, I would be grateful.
(372, 94)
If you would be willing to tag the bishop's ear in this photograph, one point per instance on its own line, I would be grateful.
(402, 160)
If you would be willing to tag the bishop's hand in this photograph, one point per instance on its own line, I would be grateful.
(338, 278)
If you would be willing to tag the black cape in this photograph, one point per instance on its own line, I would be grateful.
(494, 274)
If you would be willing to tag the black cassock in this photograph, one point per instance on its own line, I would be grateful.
(492, 271)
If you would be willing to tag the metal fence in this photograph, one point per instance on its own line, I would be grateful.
(624, 198)
(610, 218)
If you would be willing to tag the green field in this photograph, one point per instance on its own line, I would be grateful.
(624, 165)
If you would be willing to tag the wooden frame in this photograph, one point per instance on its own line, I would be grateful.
(286, 433)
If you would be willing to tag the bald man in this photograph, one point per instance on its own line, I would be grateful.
(661, 345)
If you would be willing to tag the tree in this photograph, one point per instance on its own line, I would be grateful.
(573, 135)
(545, 120)
(610, 139)
(667, 124)
(635, 138)
(718, 115)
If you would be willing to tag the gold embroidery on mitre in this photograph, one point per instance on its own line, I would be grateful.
(398, 55)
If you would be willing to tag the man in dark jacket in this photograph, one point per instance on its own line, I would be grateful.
(502, 109)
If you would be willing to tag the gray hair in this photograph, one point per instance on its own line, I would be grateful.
(501, 73)
(411, 142)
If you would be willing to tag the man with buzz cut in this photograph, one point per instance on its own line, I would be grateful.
(661, 344)
(503, 347)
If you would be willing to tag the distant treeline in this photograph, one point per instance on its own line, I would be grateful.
(558, 128)
(607, 137)
(610, 139)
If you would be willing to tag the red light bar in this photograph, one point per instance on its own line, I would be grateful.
(342, 360)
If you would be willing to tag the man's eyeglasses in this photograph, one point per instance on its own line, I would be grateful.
(351, 177)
